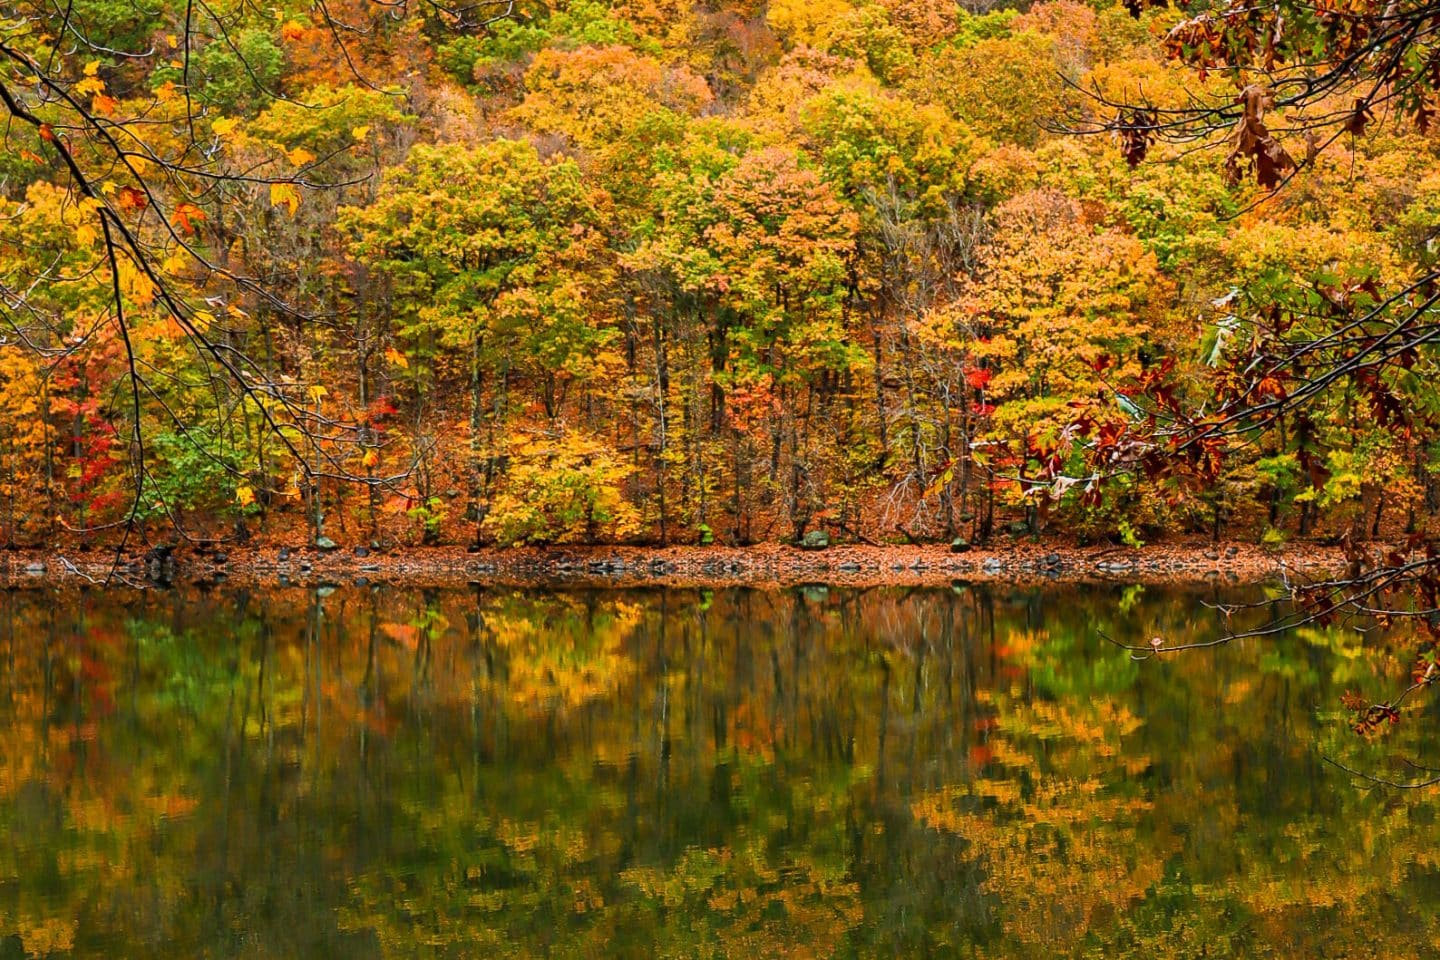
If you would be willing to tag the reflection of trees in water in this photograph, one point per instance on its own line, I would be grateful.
(744, 772)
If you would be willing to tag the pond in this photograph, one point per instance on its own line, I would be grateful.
(811, 772)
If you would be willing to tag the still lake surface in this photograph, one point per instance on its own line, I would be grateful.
(809, 772)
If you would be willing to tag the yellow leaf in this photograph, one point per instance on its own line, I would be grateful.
(136, 284)
(202, 320)
(224, 126)
(166, 91)
(397, 358)
(92, 68)
(285, 195)
(360, 133)
(90, 85)
(244, 496)
(172, 40)
(300, 156)
(318, 393)
(372, 457)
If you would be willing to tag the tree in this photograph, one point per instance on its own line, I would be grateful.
(1060, 312)
(594, 93)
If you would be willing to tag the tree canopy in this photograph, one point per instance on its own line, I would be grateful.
(582, 270)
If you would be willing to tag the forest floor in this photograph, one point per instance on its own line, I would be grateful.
(764, 564)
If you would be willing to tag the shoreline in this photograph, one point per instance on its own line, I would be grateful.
(680, 566)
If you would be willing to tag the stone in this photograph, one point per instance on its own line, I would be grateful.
(325, 543)
(815, 540)
(1018, 528)
(362, 551)
(959, 545)
(34, 569)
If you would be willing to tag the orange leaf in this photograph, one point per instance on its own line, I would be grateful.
(132, 200)
(187, 215)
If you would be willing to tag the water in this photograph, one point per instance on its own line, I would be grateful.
(744, 773)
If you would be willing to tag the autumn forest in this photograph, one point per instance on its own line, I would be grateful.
(729, 271)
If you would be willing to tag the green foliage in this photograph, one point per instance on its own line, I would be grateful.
(490, 246)
(431, 515)
(593, 23)
(191, 473)
(506, 41)
(995, 24)
(123, 25)
(235, 75)
(1128, 535)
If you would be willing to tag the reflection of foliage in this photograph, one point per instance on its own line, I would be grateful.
(736, 773)
(559, 654)
(750, 906)
(1054, 822)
